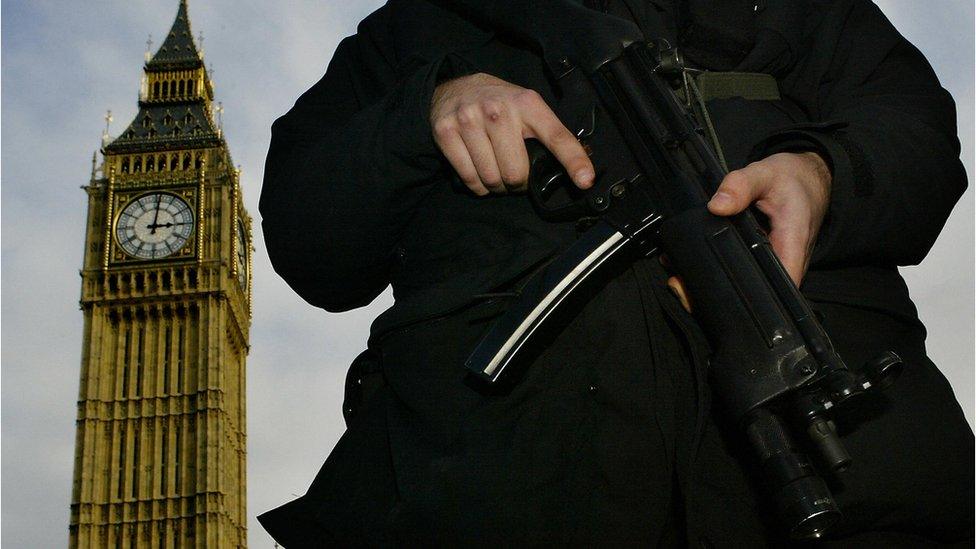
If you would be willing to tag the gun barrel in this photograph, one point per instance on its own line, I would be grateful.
(802, 497)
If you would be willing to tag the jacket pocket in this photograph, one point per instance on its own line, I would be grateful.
(363, 380)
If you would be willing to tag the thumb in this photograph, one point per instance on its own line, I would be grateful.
(738, 190)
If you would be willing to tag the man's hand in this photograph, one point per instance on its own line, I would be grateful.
(481, 123)
(793, 190)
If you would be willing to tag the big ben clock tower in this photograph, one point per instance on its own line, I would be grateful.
(160, 447)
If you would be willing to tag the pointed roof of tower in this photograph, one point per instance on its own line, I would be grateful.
(182, 118)
(178, 49)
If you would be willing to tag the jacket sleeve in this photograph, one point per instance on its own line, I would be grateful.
(347, 166)
(888, 130)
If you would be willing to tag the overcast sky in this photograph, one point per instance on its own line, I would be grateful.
(64, 63)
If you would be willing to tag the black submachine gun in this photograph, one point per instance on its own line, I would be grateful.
(773, 368)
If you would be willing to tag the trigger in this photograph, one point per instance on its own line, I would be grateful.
(586, 131)
(551, 183)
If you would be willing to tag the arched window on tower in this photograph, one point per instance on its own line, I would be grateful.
(191, 88)
(199, 161)
(172, 88)
(174, 162)
(182, 87)
(186, 161)
(137, 165)
(161, 162)
(125, 164)
(151, 163)
(165, 90)
(123, 443)
(155, 92)
(146, 121)
(167, 120)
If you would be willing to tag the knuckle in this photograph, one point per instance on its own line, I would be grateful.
(513, 176)
(444, 127)
(578, 162)
(561, 137)
(493, 184)
(491, 177)
(493, 110)
(764, 167)
(469, 177)
(468, 116)
(528, 97)
(493, 180)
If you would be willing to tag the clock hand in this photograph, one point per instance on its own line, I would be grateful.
(155, 226)
(155, 218)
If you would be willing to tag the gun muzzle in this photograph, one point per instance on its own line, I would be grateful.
(801, 495)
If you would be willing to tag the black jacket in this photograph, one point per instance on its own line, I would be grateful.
(357, 196)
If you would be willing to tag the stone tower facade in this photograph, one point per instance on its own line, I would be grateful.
(160, 448)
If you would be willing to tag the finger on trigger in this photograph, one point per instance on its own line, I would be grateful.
(547, 128)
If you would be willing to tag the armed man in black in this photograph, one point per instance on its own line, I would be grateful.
(611, 436)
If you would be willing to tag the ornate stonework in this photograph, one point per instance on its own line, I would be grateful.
(161, 445)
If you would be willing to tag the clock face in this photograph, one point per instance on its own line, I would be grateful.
(154, 226)
(242, 249)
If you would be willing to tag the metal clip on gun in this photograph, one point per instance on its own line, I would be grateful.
(773, 365)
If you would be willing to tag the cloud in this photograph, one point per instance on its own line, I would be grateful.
(65, 63)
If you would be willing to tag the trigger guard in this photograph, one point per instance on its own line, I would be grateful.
(550, 188)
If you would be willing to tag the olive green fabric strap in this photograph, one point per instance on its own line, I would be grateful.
(747, 85)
